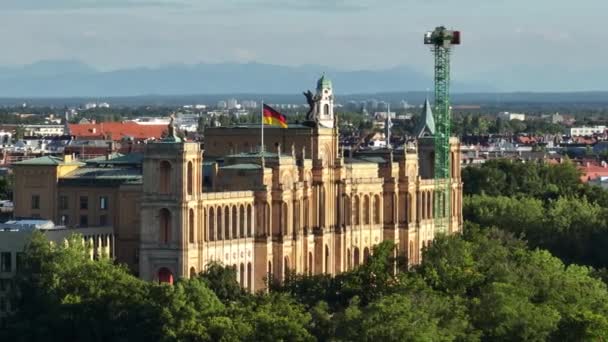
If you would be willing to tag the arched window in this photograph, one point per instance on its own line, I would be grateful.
(190, 179)
(284, 219)
(227, 223)
(356, 257)
(269, 273)
(220, 231)
(242, 221)
(411, 252)
(249, 221)
(310, 263)
(165, 177)
(365, 254)
(326, 109)
(356, 209)
(249, 277)
(376, 209)
(366, 209)
(191, 225)
(326, 259)
(348, 206)
(165, 225)
(165, 276)
(242, 275)
(204, 223)
(286, 267)
(235, 222)
(348, 259)
(211, 226)
(192, 272)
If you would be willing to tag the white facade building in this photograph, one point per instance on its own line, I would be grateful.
(511, 116)
(585, 131)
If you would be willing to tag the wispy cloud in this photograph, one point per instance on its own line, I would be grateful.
(61, 5)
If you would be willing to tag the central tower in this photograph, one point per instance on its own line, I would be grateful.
(325, 107)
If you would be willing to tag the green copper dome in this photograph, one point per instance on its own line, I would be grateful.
(323, 83)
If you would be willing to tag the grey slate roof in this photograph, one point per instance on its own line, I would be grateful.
(426, 127)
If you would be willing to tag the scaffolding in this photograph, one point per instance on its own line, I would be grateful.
(441, 41)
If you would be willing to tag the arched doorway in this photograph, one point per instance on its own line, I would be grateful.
(165, 276)
(356, 256)
(192, 272)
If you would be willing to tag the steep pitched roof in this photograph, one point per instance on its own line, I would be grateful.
(426, 127)
(117, 130)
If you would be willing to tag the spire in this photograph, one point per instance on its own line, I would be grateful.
(426, 127)
(388, 125)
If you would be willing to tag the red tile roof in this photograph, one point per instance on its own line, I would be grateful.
(593, 171)
(117, 130)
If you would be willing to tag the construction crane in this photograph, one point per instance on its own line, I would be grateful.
(442, 40)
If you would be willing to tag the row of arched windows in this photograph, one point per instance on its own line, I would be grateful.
(354, 260)
(357, 214)
(229, 222)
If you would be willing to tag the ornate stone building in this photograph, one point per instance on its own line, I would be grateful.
(300, 205)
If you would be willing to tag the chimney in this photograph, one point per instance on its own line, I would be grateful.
(110, 149)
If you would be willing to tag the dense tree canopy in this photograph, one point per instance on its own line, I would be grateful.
(483, 286)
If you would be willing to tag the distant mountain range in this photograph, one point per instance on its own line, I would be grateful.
(76, 79)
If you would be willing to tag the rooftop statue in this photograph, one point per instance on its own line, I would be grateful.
(313, 102)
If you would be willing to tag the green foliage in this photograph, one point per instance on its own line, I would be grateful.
(483, 286)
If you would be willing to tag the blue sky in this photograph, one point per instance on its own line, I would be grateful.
(349, 34)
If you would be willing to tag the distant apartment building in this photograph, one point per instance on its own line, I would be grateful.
(43, 130)
(511, 116)
(585, 131)
(14, 235)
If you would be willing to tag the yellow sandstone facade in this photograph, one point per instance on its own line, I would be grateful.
(300, 205)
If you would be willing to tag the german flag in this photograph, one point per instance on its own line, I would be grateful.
(272, 117)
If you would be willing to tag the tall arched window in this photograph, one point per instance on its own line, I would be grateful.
(356, 256)
(286, 267)
(365, 254)
(242, 275)
(356, 209)
(348, 206)
(310, 263)
(192, 272)
(249, 277)
(326, 109)
(326, 259)
(165, 177)
(190, 179)
(220, 231)
(376, 209)
(242, 221)
(284, 219)
(411, 252)
(211, 226)
(191, 225)
(349, 259)
(165, 225)
(227, 223)
(249, 221)
(366, 209)
(235, 222)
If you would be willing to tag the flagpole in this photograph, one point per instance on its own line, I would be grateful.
(262, 112)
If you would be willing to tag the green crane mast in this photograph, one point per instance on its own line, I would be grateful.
(441, 41)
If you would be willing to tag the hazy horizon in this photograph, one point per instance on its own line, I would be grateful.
(543, 45)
